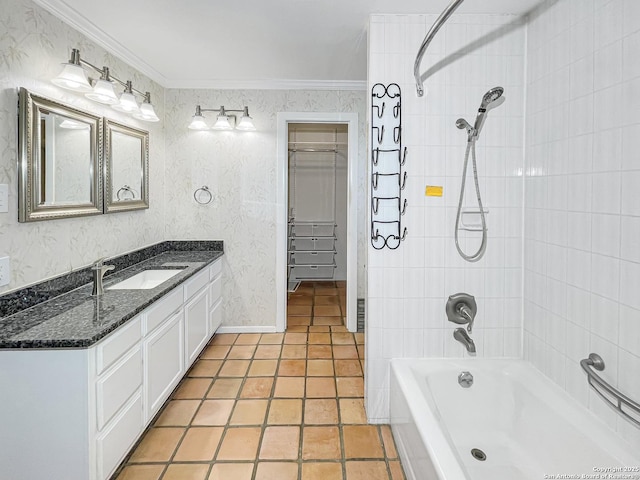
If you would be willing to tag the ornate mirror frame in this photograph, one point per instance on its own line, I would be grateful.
(30, 170)
(140, 201)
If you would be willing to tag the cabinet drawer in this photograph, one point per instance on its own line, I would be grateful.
(115, 345)
(117, 385)
(215, 269)
(162, 309)
(115, 442)
(195, 283)
(215, 292)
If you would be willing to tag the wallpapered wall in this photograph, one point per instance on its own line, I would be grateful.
(33, 44)
(240, 169)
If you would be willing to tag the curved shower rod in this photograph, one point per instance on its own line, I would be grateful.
(444, 16)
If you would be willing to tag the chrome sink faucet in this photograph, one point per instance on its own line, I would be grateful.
(99, 269)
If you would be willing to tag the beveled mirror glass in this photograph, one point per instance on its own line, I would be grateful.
(126, 167)
(59, 160)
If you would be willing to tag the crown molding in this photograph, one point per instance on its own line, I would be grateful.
(79, 22)
(275, 84)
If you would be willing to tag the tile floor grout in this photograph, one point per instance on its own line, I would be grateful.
(318, 411)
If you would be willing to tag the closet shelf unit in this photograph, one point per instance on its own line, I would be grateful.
(312, 250)
(311, 243)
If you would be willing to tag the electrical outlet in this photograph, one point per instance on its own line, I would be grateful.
(5, 271)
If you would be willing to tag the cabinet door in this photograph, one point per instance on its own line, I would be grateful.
(164, 363)
(196, 325)
(215, 318)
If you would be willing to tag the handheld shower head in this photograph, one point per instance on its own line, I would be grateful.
(493, 98)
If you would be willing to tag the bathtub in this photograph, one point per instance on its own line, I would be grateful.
(525, 425)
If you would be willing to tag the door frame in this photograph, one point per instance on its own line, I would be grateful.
(282, 173)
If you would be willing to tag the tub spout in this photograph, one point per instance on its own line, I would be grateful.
(463, 337)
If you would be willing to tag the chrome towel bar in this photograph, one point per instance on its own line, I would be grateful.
(619, 399)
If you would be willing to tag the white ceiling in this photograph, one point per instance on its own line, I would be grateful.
(247, 43)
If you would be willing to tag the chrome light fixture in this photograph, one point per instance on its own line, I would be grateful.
(127, 103)
(147, 113)
(224, 121)
(246, 122)
(73, 77)
(103, 91)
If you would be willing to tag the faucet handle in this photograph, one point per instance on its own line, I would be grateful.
(98, 263)
(461, 308)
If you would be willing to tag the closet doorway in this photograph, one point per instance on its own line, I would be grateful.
(317, 227)
(317, 224)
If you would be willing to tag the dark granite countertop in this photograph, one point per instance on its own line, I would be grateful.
(77, 320)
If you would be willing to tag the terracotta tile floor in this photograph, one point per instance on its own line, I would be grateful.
(272, 407)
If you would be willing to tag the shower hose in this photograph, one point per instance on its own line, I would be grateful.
(471, 149)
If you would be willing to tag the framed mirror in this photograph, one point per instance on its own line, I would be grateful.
(126, 167)
(60, 160)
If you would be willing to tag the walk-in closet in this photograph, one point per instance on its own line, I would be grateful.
(317, 223)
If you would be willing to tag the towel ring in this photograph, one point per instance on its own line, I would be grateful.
(125, 188)
(206, 190)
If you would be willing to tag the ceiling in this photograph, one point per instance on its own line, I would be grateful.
(248, 43)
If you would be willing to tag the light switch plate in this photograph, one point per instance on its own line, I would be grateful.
(4, 198)
(5, 271)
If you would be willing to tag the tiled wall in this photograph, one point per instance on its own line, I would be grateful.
(33, 44)
(582, 206)
(240, 168)
(408, 287)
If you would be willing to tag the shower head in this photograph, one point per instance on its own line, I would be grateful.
(462, 123)
(493, 98)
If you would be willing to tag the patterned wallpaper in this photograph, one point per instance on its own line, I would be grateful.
(33, 44)
(240, 170)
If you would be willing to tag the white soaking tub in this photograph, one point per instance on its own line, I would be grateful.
(526, 426)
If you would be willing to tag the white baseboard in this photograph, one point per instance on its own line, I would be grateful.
(246, 329)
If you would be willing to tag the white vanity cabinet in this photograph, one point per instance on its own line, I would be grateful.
(74, 414)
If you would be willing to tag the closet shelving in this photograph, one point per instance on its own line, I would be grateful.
(311, 241)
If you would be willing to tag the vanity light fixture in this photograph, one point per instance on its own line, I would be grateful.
(224, 121)
(74, 77)
(103, 91)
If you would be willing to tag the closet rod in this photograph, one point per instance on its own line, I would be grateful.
(293, 142)
(322, 150)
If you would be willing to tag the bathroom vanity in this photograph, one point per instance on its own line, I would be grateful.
(85, 378)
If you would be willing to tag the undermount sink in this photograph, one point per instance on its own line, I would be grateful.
(145, 280)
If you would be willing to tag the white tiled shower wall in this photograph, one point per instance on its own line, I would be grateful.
(582, 206)
(408, 287)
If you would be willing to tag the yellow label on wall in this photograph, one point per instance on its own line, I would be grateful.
(433, 191)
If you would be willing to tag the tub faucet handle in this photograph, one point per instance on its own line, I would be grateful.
(461, 308)
(465, 312)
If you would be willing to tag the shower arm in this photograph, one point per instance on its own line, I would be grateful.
(444, 16)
